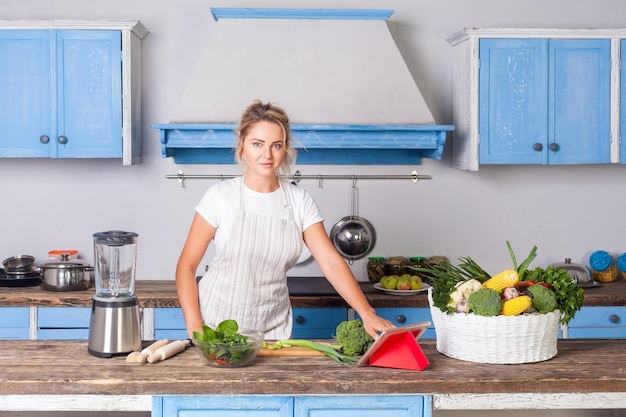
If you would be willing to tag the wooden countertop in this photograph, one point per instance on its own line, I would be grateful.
(65, 368)
(163, 294)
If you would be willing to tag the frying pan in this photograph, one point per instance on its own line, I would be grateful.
(353, 236)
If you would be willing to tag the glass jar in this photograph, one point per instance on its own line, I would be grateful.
(603, 266)
(417, 262)
(375, 268)
(395, 265)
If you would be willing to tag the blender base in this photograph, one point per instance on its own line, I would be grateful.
(115, 327)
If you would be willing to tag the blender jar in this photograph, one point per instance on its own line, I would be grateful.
(115, 258)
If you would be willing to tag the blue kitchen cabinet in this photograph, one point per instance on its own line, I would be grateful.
(14, 323)
(598, 322)
(169, 323)
(293, 406)
(63, 323)
(363, 406)
(545, 101)
(317, 323)
(308, 323)
(70, 93)
(222, 406)
(62, 94)
(404, 316)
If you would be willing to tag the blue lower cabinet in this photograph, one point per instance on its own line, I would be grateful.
(317, 323)
(169, 323)
(598, 323)
(290, 406)
(14, 323)
(222, 406)
(404, 316)
(363, 406)
(63, 323)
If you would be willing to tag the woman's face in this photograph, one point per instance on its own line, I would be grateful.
(264, 148)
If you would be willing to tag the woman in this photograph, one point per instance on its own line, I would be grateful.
(259, 223)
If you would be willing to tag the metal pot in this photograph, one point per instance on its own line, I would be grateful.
(19, 265)
(65, 275)
(353, 236)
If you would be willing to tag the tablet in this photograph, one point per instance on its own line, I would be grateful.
(391, 336)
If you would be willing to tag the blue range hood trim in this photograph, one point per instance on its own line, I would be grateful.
(277, 13)
(319, 144)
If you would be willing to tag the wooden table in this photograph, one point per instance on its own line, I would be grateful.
(61, 375)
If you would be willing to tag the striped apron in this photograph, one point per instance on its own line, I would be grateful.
(247, 282)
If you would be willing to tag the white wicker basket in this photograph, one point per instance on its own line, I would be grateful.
(500, 339)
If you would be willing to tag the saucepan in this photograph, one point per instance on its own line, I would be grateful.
(353, 236)
(65, 274)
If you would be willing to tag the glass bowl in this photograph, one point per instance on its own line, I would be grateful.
(224, 355)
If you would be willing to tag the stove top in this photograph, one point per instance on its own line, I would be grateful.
(310, 286)
(27, 280)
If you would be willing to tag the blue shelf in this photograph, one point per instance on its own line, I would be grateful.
(318, 144)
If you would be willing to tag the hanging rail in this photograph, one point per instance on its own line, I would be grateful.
(295, 178)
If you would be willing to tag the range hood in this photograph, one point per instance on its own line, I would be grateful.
(348, 92)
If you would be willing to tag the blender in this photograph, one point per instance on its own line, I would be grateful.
(115, 327)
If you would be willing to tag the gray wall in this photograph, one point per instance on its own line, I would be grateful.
(566, 211)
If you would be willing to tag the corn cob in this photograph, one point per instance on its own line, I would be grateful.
(504, 279)
(516, 305)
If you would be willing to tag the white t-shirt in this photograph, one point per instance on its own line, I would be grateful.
(221, 201)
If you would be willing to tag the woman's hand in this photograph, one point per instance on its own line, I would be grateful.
(374, 325)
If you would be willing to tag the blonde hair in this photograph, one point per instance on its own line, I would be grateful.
(257, 112)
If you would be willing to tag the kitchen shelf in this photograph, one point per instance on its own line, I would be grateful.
(317, 144)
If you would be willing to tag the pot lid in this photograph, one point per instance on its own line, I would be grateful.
(115, 237)
(64, 264)
(578, 272)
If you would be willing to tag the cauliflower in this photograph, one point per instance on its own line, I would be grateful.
(463, 290)
(485, 302)
(544, 299)
(353, 337)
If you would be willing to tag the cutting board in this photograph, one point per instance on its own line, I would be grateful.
(291, 351)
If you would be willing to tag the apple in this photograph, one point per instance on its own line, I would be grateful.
(416, 282)
(403, 284)
(389, 282)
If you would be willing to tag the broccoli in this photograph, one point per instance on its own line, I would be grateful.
(544, 299)
(353, 337)
(485, 302)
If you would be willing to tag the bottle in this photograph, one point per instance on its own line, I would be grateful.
(603, 266)
(417, 262)
(375, 268)
(395, 265)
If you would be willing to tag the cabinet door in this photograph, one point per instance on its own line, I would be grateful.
(513, 101)
(317, 323)
(580, 101)
(222, 406)
(63, 323)
(169, 323)
(363, 406)
(15, 323)
(25, 92)
(598, 322)
(89, 98)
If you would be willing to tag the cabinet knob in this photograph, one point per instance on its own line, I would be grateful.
(62, 140)
(538, 147)
(614, 318)
(554, 146)
(401, 319)
(44, 139)
(300, 320)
